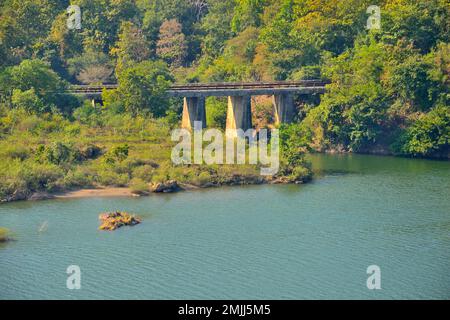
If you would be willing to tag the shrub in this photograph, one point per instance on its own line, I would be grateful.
(300, 174)
(14, 151)
(428, 136)
(216, 112)
(118, 153)
(78, 177)
(110, 178)
(144, 173)
(203, 178)
(138, 186)
(90, 151)
(28, 100)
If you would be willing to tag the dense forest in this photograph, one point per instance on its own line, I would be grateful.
(388, 89)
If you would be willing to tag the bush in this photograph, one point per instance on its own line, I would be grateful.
(90, 151)
(15, 152)
(216, 112)
(41, 177)
(144, 173)
(138, 186)
(203, 178)
(118, 153)
(110, 178)
(428, 136)
(87, 114)
(78, 177)
(300, 174)
(142, 88)
(28, 100)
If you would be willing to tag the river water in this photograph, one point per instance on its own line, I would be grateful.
(259, 242)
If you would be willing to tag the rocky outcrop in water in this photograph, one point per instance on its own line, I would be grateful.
(114, 220)
(4, 235)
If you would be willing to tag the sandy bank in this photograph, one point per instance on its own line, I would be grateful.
(86, 193)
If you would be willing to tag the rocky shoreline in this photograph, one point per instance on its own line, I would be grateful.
(170, 186)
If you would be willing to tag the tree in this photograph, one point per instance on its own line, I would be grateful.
(91, 67)
(353, 111)
(421, 23)
(27, 100)
(171, 46)
(158, 11)
(247, 13)
(101, 21)
(200, 7)
(216, 26)
(410, 81)
(429, 135)
(142, 88)
(23, 27)
(44, 82)
(132, 46)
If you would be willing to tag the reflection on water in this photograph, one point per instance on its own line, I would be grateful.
(277, 242)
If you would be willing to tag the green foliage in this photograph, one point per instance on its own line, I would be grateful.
(216, 112)
(388, 86)
(420, 23)
(138, 186)
(411, 81)
(172, 117)
(428, 136)
(91, 67)
(142, 88)
(203, 178)
(247, 13)
(38, 75)
(352, 112)
(27, 100)
(132, 46)
(117, 154)
(292, 146)
(87, 114)
(216, 26)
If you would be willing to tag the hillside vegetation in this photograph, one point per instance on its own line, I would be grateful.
(388, 89)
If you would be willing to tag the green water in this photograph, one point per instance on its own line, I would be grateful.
(259, 242)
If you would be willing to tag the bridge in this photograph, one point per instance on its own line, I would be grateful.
(239, 99)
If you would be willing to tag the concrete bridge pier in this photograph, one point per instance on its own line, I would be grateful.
(284, 108)
(193, 110)
(239, 114)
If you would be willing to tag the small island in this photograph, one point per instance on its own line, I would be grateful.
(114, 220)
(4, 235)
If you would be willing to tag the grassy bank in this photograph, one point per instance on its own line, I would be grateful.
(51, 153)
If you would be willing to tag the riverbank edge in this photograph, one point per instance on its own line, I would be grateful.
(105, 191)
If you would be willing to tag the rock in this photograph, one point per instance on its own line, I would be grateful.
(208, 185)
(165, 187)
(114, 220)
(16, 196)
(40, 196)
(4, 235)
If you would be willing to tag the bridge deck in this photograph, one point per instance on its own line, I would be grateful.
(222, 89)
